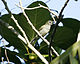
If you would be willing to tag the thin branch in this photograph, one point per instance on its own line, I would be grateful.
(24, 34)
(2, 59)
(56, 25)
(6, 53)
(6, 6)
(47, 1)
(48, 10)
(7, 56)
(36, 29)
(40, 6)
(63, 8)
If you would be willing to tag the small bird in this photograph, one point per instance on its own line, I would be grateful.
(44, 29)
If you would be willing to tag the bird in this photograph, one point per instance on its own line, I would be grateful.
(44, 29)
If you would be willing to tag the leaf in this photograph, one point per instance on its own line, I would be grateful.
(64, 36)
(79, 52)
(71, 34)
(67, 34)
(73, 60)
(71, 23)
(68, 52)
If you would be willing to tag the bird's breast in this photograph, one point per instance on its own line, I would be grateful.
(45, 30)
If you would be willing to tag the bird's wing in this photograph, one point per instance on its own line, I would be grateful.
(41, 27)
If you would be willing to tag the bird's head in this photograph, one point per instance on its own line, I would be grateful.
(50, 22)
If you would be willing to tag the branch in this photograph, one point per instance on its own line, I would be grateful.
(23, 32)
(63, 8)
(47, 1)
(6, 55)
(36, 29)
(6, 6)
(2, 59)
(56, 25)
(40, 6)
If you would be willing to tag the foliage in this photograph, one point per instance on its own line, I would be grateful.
(65, 37)
(71, 56)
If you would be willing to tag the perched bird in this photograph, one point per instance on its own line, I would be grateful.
(44, 29)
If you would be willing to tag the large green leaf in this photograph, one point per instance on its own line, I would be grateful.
(67, 34)
(71, 23)
(70, 53)
(64, 36)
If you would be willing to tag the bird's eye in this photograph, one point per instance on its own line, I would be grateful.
(50, 22)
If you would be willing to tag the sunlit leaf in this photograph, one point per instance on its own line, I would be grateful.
(68, 52)
(72, 60)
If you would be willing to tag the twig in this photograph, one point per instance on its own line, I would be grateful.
(2, 59)
(47, 1)
(48, 10)
(40, 6)
(36, 29)
(24, 34)
(7, 56)
(6, 6)
(56, 25)
(6, 53)
(63, 8)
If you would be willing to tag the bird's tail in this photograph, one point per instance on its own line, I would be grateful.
(34, 39)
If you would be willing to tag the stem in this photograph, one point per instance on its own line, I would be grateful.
(54, 30)
(6, 7)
